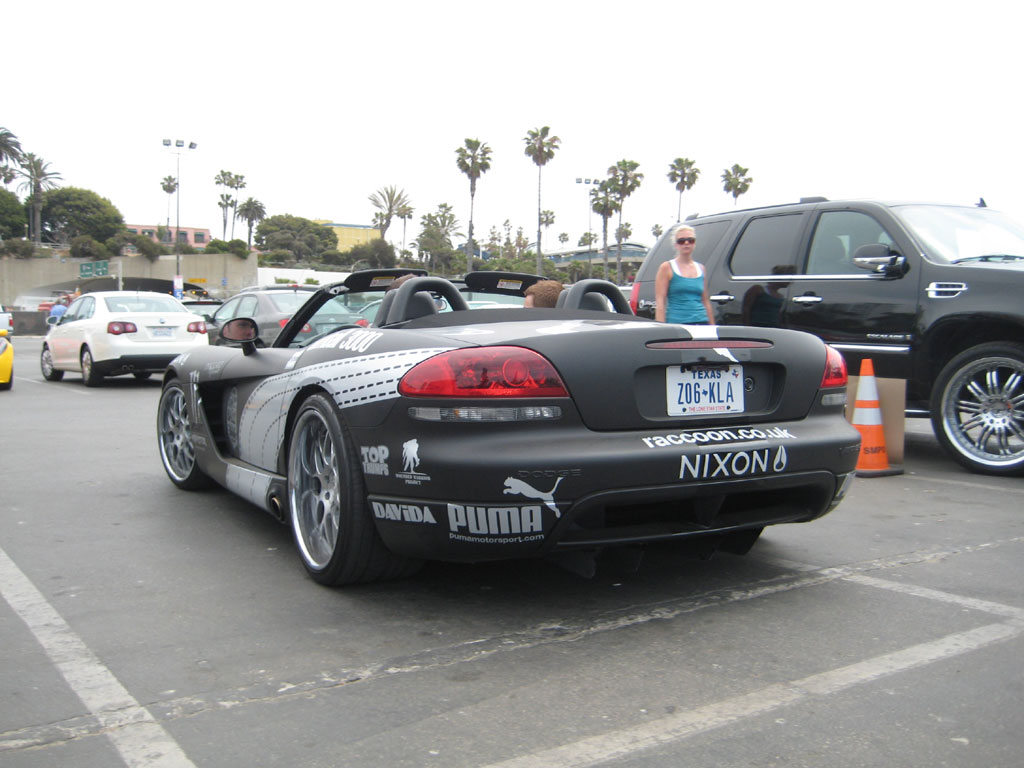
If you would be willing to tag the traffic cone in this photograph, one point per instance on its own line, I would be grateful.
(867, 418)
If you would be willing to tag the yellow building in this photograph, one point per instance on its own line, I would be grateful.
(350, 235)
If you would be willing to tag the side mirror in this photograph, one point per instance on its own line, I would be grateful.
(51, 320)
(880, 259)
(241, 330)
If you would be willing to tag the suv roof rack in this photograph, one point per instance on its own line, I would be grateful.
(814, 199)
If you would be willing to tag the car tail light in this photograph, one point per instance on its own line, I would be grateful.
(835, 369)
(197, 327)
(117, 327)
(634, 297)
(484, 372)
(307, 328)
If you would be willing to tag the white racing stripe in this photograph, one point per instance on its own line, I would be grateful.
(134, 733)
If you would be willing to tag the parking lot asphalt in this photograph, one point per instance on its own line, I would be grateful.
(146, 626)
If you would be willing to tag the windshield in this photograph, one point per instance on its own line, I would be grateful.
(141, 303)
(952, 234)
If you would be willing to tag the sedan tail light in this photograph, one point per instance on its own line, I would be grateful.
(307, 328)
(117, 327)
(835, 369)
(197, 327)
(484, 372)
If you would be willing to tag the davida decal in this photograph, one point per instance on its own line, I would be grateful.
(406, 513)
(411, 463)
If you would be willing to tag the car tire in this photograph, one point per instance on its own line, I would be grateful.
(174, 438)
(333, 530)
(973, 409)
(7, 384)
(90, 376)
(46, 365)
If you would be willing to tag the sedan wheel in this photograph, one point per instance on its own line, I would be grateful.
(978, 408)
(46, 365)
(327, 498)
(90, 376)
(174, 436)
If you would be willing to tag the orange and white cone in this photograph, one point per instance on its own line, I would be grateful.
(867, 418)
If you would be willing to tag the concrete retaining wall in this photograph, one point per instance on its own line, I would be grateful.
(222, 274)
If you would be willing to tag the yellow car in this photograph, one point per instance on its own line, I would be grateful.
(6, 361)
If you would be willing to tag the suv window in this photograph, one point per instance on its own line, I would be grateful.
(837, 237)
(767, 242)
(708, 236)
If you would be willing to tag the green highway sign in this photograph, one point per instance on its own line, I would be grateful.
(94, 269)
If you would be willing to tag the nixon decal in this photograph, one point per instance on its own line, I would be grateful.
(711, 466)
(407, 513)
(375, 460)
(494, 521)
(718, 436)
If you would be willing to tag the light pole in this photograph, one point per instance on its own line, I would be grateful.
(590, 212)
(179, 282)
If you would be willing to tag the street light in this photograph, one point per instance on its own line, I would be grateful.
(179, 283)
(590, 213)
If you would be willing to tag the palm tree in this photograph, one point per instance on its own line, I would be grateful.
(540, 147)
(8, 174)
(625, 179)
(226, 201)
(251, 211)
(736, 181)
(170, 186)
(404, 213)
(657, 230)
(603, 202)
(547, 219)
(388, 201)
(683, 174)
(37, 179)
(237, 183)
(474, 160)
(10, 149)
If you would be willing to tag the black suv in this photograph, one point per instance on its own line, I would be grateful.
(933, 294)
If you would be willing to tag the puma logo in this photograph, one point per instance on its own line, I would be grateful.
(517, 486)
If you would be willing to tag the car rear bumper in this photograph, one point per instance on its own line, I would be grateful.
(133, 364)
(522, 494)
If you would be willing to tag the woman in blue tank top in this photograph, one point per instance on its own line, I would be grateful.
(680, 287)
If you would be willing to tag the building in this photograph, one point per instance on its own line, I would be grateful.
(197, 238)
(350, 235)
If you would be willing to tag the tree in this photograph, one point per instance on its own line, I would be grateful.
(563, 238)
(12, 216)
(435, 239)
(604, 203)
(736, 181)
(251, 212)
(225, 203)
(237, 182)
(405, 213)
(170, 186)
(540, 147)
(587, 239)
(231, 181)
(85, 247)
(70, 212)
(7, 175)
(302, 238)
(625, 180)
(10, 148)
(378, 253)
(657, 231)
(474, 160)
(389, 201)
(38, 179)
(547, 218)
(683, 174)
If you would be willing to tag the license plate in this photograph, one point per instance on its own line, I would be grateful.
(162, 333)
(696, 390)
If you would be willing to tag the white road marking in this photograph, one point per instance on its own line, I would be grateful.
(619, 744)
(132, 730)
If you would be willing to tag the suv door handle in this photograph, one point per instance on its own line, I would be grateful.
(807, 299)
(721, 298)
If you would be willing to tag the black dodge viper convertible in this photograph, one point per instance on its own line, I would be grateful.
(441, 431)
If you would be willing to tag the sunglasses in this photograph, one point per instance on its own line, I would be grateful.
(684, 240)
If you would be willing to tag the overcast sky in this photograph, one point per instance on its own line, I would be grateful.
(319, 105)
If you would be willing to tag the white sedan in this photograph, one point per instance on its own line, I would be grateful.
(110, 333)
